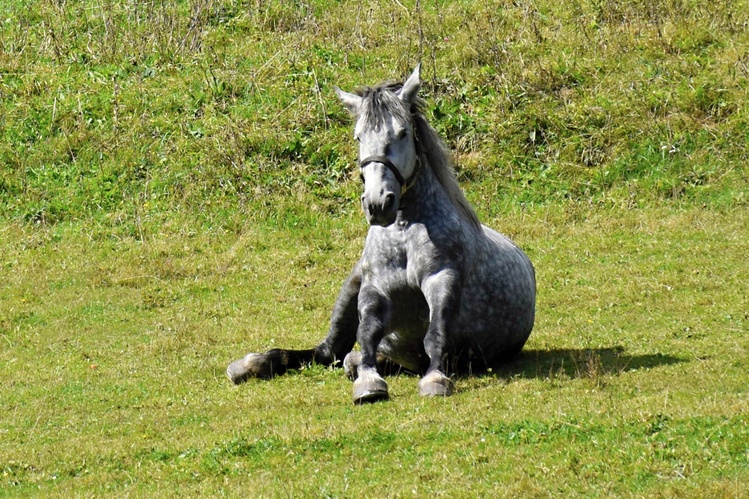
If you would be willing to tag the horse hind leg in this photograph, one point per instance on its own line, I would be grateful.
(278, 361)
(341, 337)
(269, 364)
(252, 365)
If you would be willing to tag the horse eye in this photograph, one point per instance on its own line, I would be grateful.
(402, 134)
(361, 176)
(357, 138)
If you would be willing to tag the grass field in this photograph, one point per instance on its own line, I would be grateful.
(634, 382)
(176, 190)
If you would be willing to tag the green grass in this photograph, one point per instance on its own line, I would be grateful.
(633, 383)
(176, 189)
(119, 110)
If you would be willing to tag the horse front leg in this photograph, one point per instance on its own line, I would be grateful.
(443, 292)
(344, 323)
(375, 312)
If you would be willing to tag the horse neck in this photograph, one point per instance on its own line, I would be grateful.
(431, 152)
(427, 197)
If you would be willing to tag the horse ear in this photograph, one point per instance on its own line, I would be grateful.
(411, 87)
(351, 101)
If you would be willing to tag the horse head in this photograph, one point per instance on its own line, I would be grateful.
(388, 157)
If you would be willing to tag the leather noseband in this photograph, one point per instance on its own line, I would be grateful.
(389, 164)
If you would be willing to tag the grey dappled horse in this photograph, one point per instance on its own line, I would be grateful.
(434, 292)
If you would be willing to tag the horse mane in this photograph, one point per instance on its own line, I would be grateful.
(381, 101)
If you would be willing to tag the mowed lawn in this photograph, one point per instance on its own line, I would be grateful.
(634, 382)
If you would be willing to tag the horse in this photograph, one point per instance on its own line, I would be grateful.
(434, 292)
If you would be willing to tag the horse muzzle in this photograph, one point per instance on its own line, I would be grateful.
(383, 186)
(381, 209)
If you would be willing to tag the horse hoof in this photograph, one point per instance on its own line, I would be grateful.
(436, 384)
(371, 396)
(252, 365)
(351, 365)
(370, 387)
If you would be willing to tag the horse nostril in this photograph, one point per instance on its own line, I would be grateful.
(365, 206)
(389, 202)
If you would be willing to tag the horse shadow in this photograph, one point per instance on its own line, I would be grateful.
(576, 363)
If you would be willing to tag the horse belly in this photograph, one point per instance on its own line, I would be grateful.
(498, 303)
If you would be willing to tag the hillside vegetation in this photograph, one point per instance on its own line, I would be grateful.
(128, 110)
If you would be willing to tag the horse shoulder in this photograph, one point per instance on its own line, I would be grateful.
(433, 249)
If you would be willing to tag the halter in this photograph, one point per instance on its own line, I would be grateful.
(404, 183)
(386, 162)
